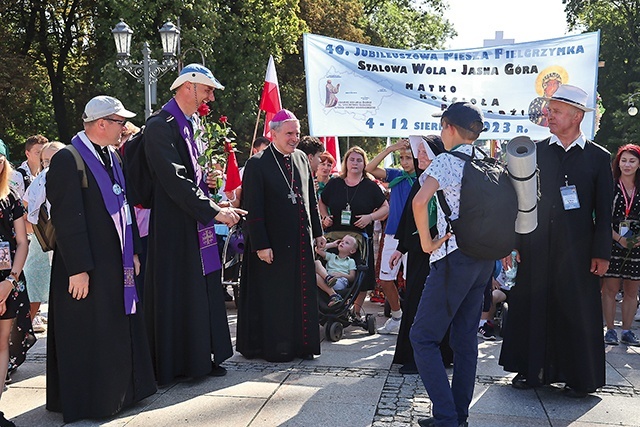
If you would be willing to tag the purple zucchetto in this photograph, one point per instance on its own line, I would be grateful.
(283, 116)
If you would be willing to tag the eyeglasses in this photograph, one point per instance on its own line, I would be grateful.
(120, 122)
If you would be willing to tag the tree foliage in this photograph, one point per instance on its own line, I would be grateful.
(60, 53)
(619, 79)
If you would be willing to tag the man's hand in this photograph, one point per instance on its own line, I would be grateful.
(212, 178)
(230, 216)
(136, 264)
(79, 285)
(599, 266)
(395, 258)
(266, 255)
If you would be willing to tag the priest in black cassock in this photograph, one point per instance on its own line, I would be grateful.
(98, 359)
(278, 308)
(554, 330)
(184, 303)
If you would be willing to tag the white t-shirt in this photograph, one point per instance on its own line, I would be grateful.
(447, 170)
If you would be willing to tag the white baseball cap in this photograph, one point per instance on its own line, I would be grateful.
(103, 106)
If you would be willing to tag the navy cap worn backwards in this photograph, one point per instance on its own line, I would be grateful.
(464, 114)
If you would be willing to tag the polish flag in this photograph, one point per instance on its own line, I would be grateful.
(270, 101)
(332, 146)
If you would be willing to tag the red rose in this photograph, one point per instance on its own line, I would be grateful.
(223, 119)
(203, 110)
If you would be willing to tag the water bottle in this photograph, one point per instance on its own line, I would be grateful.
(512, 271)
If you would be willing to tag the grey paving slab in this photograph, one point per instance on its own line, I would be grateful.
(595, 409)
(357, 349)
(180, 410)
(505, 400)
(235, 384)
(330, 389)
(301, 413)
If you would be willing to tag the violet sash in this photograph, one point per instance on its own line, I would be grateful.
(116, 204)
(207, 239)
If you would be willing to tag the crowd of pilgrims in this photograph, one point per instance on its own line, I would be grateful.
(288, 184)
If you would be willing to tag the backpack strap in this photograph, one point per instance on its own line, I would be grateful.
(79, 165)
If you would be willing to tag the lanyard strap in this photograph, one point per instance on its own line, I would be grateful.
(628, 202)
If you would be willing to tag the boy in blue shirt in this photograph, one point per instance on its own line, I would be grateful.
(400, 182)
(454, 288)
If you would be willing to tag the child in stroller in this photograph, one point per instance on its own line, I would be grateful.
(341, 314)
(340, 269)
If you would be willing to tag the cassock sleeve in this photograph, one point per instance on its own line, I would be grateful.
(253, 194)
(602, 208)
(169, 169)
(67, 213)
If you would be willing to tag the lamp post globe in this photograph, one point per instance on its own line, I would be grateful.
(122, 34)
(170, 36)
(633, 110)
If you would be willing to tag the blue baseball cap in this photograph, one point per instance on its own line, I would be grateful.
(196, 73)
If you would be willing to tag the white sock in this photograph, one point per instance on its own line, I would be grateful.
(396, 314)
(482, 322)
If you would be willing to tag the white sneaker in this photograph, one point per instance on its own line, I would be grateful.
(38, 324)
(391, 326)
(637, 316)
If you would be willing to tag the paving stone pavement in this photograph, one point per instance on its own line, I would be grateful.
(352, 383)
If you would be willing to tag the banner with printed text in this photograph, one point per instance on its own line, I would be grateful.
(359, 90)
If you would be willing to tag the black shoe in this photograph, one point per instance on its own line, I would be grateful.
(5, 422)
(217, 370)
(408, 369)
(307, 356)
(8, 379)
(427, 422)
(572, 392)
(520, 382)
(227, 297)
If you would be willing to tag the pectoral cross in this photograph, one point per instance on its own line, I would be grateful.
(292, 196)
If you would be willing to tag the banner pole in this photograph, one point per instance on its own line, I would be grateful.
(255, 132)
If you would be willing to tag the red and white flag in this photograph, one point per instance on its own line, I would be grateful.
(270, 101)
(332, 146)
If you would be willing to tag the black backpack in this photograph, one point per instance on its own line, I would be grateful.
(486, 225)
(136, 168)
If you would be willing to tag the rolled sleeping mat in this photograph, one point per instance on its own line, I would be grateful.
(522, 165)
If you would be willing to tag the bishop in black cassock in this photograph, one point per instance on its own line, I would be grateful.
(278, 309)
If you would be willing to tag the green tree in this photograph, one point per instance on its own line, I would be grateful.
(406, 24)
(619, 25)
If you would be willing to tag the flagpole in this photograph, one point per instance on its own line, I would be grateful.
(255, 132)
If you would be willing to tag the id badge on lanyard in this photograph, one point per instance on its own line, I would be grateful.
(345, 216)
(569, 195)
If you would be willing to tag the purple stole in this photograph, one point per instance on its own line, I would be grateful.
(113, 195)
(207, 239)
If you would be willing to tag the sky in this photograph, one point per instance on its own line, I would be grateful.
(524, 21)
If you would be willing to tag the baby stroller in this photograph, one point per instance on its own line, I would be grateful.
(336, 318)
(232, 251)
